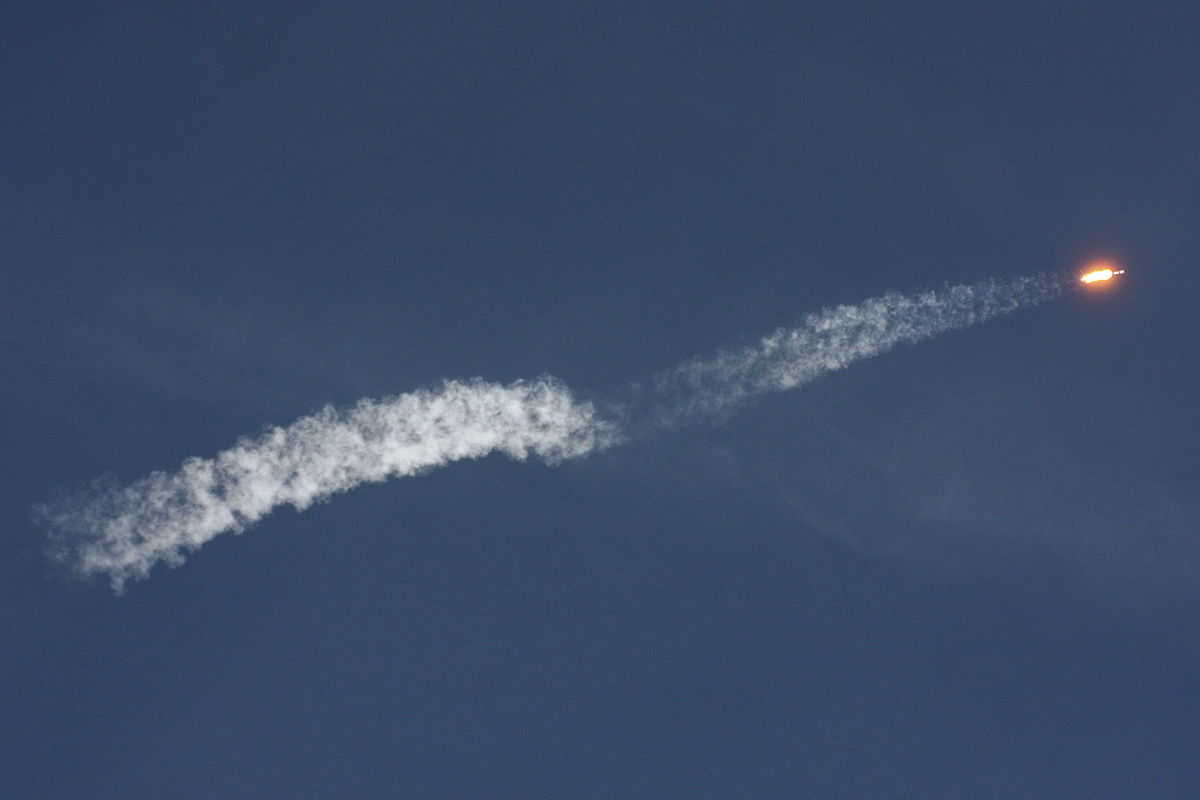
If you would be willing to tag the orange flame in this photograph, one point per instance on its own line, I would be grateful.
(1101, 271)
(1098, 275)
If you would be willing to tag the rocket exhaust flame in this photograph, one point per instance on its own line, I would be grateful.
(1101, 275)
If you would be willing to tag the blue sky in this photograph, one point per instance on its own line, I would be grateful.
(965, 567)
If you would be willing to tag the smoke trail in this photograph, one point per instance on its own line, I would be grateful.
(123, 532)
(831, 340)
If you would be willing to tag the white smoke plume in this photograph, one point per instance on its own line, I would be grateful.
(833, 339)
(122, 532)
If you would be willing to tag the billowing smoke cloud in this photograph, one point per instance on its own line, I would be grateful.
(122, 532)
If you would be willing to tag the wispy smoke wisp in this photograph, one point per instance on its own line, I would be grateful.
(122, 532)
(833, 339)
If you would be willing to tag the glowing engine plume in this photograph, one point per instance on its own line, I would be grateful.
(1101, 275)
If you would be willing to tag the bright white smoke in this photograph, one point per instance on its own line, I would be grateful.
(123, 532)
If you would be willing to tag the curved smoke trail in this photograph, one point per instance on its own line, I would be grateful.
(833, 339)
(122, 532)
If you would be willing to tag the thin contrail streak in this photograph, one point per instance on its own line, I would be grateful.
(833, 339)
(122, 532)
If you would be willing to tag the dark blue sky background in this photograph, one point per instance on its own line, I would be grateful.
(969, 568)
